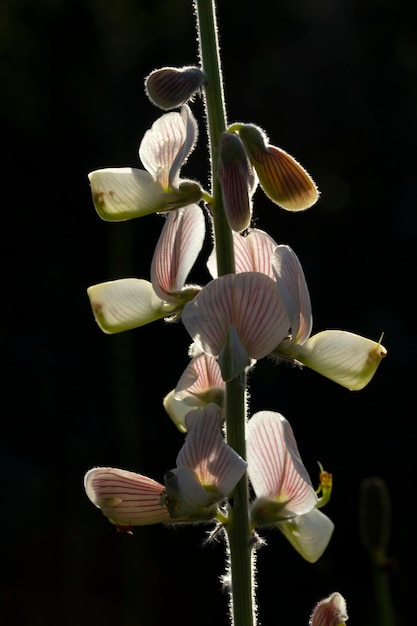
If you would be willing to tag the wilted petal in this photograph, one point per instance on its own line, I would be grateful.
(125, 498)
(178, 247)
(249, 302)
(169, 87)
(276, 471)
(281, 177)
(236, 181)
(348, 359)
(120, 305)
(293, 288)
(330, 612)
(166, 146)
(309, 534)
(124, 193)
(205, 451)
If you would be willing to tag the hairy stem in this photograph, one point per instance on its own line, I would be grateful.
(238, 531)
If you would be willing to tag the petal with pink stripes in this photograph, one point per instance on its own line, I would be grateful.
(217, 466)
(276, 471)
(253, 253)
(178, 247)
(125, 498)
(249, 302)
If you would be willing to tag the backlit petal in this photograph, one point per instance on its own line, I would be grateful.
(205, 451)
(248, 301)
(126, 498)
(330, 612)
(120, 305)
(201, 382)
(294, 292)
(253, 253)
(348, 359)
(177, 410)
(124, 193)
(275, 468)
(177, 250)
(309, 534)
(167, 144)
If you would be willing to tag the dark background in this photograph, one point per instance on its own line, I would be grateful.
(334, 84)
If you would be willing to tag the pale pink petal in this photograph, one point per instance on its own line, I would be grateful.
(248, 301)
(178, 247)
(294, 292)
(330, 612)
(123, 304)
(201, 376)
(124, 193)
(253, 253)
(348, 359)
(126, 498)
(167, 144)
(309, 534)
(275, 468)
(207, 454)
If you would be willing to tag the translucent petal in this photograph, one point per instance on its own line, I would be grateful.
(177, 409)
(178, 247)
(126, 498)
(253, 253)
(166, 146)
(201, 380)
(186, 492)
(275, 468)
(124, 193)
(309, 534)
(205, 451)
(169, 87)
(235, 179)
(330, 612)
(120, 305)
(233, 358)
(348, 359)
(293, 288)
(248, 301)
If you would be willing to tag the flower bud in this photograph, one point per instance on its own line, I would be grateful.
(170, 87)
(236, 181)
(281, 177)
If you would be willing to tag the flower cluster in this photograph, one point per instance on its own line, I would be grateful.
(261, 309)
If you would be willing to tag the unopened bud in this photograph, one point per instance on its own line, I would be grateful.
(236, 181)
(170, 87)
(281, 177)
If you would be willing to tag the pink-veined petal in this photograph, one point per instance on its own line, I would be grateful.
(123, 304)
(293, 288)
(347, 359)
(330, 611)
(126, 498)
(275, 468)
(248, 301)
(177, 249)
(205, 451)
(236, 181)
(124, 193)
(166, 146)
(309, 534)
(201, 379)
(253, 253)
(170, 87)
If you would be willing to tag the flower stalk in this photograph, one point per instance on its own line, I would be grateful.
(238, 530)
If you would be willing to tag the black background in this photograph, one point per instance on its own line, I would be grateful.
(334, 84)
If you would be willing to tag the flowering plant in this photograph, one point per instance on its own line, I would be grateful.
(236, 473)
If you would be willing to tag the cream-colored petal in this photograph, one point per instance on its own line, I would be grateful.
(177, 409)
(348, 359)
(120, 305)
(309, 534)
(124, 193)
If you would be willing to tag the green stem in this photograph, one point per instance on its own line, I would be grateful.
(238, 530)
